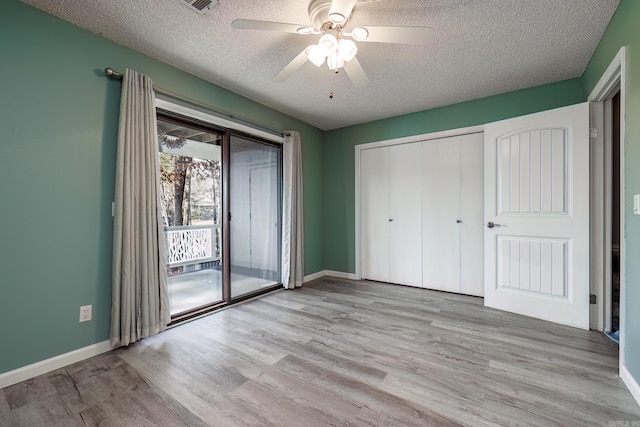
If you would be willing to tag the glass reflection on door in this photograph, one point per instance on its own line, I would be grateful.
(191, 200)
(255, 208)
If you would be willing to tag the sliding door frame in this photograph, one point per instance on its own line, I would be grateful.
(226, 154)
(226, 219)
(207, 121)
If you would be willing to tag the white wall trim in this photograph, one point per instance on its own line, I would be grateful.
(421, 137)
(610, 78)
(386, 143)
(330, 273)
(56, 362)
(314, 276)
(631, 383)
(341, 274)
(616, 76)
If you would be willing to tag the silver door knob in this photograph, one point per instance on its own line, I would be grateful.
(492, 224)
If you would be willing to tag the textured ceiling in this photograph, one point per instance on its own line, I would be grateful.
(479, 48)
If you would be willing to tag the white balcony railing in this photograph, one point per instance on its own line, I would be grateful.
(191, 243)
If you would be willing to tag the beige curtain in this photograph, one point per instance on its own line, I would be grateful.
(292, 229)
(140, 305)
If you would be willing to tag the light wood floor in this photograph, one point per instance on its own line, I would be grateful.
(340, 352)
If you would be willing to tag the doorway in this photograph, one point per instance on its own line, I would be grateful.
(612, 323)
(607, 117)
(191, 202)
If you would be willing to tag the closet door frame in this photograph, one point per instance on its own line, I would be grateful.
(384, 143)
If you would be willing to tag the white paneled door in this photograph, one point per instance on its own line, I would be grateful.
(537, 215)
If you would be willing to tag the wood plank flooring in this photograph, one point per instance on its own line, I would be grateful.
(340, 352)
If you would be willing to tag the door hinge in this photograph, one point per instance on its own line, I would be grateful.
(593, 133)
(592, 299)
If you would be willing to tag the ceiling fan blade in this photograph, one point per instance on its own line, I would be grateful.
(394, 34)
(291, 67)
(251, 24)
(356, 73)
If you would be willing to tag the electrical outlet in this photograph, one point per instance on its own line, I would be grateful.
(85, 313)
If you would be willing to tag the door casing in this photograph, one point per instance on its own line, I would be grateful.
(612, 80)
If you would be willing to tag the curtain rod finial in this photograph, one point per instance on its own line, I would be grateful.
(110, 72)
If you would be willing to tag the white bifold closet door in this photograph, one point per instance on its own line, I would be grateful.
(391, 224)
(452, 214)
(374, 205)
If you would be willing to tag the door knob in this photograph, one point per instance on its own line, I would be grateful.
(390, 219)
(492, 224)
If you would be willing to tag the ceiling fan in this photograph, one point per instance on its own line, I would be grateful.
(336, 47)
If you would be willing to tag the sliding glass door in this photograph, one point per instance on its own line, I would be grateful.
(255, 211)
(191, 197)
(221, 197)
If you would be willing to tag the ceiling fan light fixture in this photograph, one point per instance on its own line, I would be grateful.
(315, 55)
(334, 61)
(360, 33)
(347, 49)
(328, 44)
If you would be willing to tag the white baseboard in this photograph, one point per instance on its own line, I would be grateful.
(341, 274)
(314, 276)
(330, 273)
(631, 383)
(56, 362)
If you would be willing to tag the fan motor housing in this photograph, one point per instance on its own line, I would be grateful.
(319, 13)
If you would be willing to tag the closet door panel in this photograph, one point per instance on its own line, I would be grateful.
(472, 214)
(374, 208)
(405, 219)
(440, 213)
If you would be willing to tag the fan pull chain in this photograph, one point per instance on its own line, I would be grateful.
(332, 80)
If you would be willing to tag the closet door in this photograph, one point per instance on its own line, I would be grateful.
(472, 214)
(374, 208)
(440, 214)
(405, 214)
(452, 180)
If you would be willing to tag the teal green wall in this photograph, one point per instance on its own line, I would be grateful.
(59, 115)
(623, 30)
(58, 121)
(339, 152)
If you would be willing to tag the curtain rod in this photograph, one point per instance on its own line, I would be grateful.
(110, 72)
